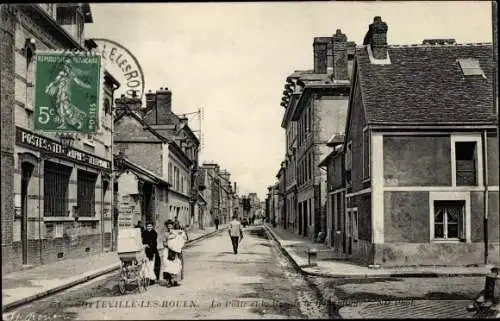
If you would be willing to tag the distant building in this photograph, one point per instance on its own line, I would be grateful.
(319, 110)
(183, 163)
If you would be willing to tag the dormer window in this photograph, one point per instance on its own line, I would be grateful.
(471, 67)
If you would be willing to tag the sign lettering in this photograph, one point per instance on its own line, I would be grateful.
(32, 140)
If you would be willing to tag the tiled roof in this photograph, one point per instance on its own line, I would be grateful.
(424, 84)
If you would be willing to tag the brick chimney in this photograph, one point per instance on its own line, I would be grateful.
(150, 100)
(329, 58)
(340, 61)
(376, 37)
(163, 106)
(320, 49)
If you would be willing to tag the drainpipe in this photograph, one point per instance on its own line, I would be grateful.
(40, 174)
(485, 201)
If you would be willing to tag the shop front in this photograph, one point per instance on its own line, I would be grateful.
(62, 201)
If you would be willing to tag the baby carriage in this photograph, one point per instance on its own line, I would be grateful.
(133, 258)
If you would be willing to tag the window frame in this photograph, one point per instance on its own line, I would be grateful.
(479, 152)
(450, 196)
(86, 192)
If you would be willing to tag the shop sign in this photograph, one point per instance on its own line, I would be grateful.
(124, 66)
(67, 91)
(125, 217)
(25, 138)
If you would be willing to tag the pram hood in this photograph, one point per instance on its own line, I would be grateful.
(175, 243)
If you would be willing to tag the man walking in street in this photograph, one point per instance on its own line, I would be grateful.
(216, 222)
(235, 232)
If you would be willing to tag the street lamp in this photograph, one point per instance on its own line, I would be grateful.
(67, 141)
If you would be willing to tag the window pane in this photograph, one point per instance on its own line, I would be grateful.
(438, 230)
(439, 217)
(452, 230)
(453, 213)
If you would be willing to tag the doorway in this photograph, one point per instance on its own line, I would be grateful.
(26, 173)
(306, 213)
(300, 218)
(333, 216)
(349, 232)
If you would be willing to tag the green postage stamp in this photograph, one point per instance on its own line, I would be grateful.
(67, 92)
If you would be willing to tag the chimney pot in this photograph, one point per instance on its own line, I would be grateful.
(376, 37)
(320, 50)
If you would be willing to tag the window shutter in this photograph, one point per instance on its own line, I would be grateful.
(461, 224)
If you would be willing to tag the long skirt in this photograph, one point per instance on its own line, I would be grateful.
(172, 265)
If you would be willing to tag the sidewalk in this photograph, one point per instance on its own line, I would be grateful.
(352, 291)
(28, 285)
(295, 247)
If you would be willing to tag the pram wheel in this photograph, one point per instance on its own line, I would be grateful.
(121, 286)
(141, 286)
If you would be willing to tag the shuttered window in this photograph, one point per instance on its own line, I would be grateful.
(86, 193)
(55, 189)
(466, 159)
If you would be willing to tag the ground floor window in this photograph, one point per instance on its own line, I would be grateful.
(449, 220)
(86, 183)
(55, 189)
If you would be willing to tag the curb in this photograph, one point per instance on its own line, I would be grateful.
(104, 271)
(330, 301)
(59, 288)
(375, 275)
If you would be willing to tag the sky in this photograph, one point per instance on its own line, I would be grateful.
(232, 59)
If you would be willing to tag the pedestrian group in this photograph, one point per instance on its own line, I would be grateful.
(174, 239)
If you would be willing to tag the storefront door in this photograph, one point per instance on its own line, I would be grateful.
(27, 170)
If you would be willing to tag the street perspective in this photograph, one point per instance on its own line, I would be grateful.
(249, 160)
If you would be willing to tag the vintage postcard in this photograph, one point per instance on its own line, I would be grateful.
(249, 160)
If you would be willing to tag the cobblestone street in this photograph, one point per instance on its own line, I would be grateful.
(257, 283)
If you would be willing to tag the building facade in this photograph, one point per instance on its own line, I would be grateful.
(282, 217)
(289, 99)
(315, 103)
(183, 163)
(144, 183)
(45, 190)
(421, 156)
(334, 165)
(319, 112)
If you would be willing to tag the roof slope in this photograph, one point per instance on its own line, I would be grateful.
(425, 84)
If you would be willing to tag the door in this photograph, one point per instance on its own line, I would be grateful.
(349, 231)
(305, 213)
(27, 170)
(105, 234)
(300, 218)
(333, 217)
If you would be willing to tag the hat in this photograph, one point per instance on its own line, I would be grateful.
(168, 222)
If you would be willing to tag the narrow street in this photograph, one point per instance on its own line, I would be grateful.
(258, 282)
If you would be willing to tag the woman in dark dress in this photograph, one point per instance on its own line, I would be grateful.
(150, 239)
